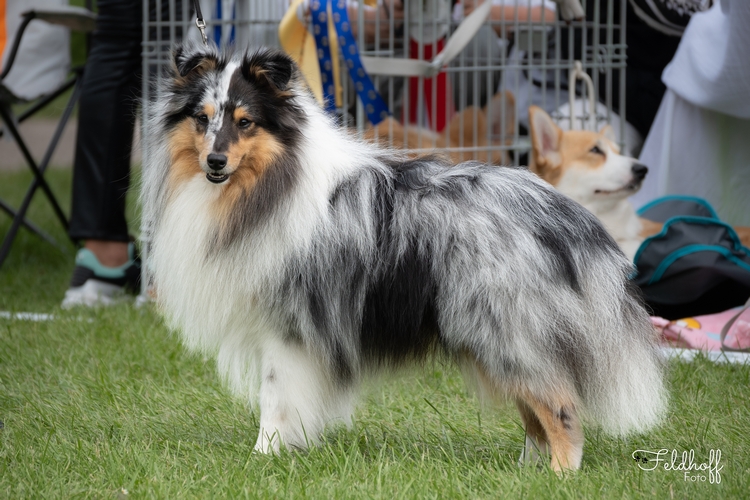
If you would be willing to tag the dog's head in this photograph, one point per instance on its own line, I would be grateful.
(231, 116)
(586, 166)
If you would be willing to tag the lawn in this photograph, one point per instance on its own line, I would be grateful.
(107, 404)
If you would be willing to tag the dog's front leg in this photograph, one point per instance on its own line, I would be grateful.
(296, 395)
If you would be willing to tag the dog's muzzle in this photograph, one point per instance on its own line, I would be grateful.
(639, 171)
(216, 162)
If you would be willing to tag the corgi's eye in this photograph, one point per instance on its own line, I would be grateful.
(244, 123)
(202, 119)
(596, 150)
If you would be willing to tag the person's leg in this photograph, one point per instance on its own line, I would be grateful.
(108, 253)
(111, 86)
(101, 173)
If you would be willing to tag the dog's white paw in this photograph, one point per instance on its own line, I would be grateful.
(267, 443)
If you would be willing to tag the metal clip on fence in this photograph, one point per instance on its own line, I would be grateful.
(574, 74)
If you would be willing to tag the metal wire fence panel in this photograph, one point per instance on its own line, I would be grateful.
(477, 105)
(474, 106)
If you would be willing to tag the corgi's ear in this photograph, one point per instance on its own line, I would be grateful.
(609, 133)
(545, 140)
(273, 67)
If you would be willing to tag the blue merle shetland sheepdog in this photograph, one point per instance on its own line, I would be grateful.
(306, 260)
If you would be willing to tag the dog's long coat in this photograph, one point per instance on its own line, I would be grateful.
(307, 260)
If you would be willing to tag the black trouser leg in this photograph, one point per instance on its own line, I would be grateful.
(106, 118)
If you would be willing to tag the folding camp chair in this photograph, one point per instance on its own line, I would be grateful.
(36, 71)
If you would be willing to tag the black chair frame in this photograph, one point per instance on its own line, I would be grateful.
(76, 19)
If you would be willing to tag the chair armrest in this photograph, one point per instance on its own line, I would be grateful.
(74, 18)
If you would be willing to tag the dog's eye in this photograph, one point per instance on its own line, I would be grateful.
(244, 123)
(202, 119)
(596, 150)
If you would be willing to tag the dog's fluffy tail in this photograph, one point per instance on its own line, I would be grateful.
(624, 391)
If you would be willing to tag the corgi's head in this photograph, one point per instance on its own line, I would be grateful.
(586, 166)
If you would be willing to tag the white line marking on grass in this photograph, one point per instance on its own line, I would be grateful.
(31, 316)
(715, 356)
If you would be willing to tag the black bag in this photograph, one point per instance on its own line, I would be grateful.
(695, 265)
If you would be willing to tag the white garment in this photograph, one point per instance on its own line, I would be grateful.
(711, 68)
(698, 144)
(698, 152)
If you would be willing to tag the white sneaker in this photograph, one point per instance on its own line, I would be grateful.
(96, 285)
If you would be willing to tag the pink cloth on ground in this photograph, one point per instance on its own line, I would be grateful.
(704, 332)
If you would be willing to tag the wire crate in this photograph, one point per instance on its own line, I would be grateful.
(472, 107)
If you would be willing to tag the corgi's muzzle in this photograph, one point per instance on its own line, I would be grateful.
(639, 171)
(217, 163)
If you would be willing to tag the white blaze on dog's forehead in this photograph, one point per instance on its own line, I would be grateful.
(218, 94)
(222, 88)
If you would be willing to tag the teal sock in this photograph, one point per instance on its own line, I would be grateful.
(86, 258)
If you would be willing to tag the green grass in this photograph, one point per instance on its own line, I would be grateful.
(97, 402)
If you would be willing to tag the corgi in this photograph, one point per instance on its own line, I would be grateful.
(588, 167)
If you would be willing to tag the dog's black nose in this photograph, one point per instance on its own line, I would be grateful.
(639, 170)
(216, 161)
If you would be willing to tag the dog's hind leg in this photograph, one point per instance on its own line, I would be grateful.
(561, 425)
(551, 422)
(489, 391)
(536, 447)
(298, 398)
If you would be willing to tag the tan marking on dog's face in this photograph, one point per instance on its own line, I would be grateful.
(240, 114)
(592, 172)
(248, 159)
(583, 150)
(584, 165)
(185, 145)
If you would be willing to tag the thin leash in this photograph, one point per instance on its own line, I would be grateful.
(199, 22)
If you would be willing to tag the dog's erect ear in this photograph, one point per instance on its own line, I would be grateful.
(609, 133)
(269, 66)
(545, 140)
(188, 59)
